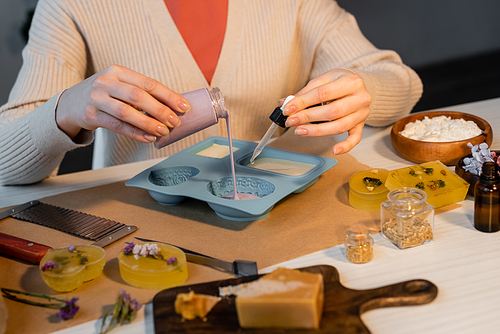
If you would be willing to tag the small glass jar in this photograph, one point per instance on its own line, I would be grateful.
(207, 107)
(358, 244)
(406, 219)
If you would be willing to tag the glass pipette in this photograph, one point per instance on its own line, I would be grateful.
(278, 120)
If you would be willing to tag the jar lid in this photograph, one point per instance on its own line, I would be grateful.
(358, 228)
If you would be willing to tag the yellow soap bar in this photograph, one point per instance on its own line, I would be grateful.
(165, 270)
(191, 305)
(442, 186)
(285, 298)
(367, 189)
(65, 269)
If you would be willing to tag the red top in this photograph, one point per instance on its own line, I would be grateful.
(202, 24)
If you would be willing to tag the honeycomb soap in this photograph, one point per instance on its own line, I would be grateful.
(285, 298)
(442, 186)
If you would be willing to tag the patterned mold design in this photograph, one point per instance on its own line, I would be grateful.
(172, 176)
(244, 185)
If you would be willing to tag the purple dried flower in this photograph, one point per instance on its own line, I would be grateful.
(69, 310)
(124, 311)
(129, 248)
(49, 265)
(172, 260)
(135, 305)
(71, 248)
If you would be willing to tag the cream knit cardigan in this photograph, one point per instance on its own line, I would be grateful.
(271, 49)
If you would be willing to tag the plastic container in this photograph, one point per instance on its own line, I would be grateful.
(186, 174)
(487, 199)
(207, 107)
(154, 272)
(367, 190)
(358, 244)
(72, 267)
(407, 220)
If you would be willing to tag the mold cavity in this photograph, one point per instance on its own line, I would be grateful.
(172, 176)
(223, 187)
(281, 166)
(216, 151)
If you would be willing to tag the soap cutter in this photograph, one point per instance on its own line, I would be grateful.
(237, 267)
(100, 230)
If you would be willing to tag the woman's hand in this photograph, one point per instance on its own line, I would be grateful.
(347, 110)
(112, 99)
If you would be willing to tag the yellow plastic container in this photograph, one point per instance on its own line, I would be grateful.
(154, 272)
(365, 192)
(72, 267)
(442, 186)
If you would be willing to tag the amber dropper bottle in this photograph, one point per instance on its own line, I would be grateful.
(487, 199)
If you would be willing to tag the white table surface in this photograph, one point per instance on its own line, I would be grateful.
(462, 262)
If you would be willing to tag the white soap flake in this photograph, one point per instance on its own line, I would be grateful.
(441, 129)
(259, 287)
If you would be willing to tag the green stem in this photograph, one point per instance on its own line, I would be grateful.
(10, 293)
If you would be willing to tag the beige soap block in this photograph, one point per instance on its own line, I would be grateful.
(285, 298)
(191, 305)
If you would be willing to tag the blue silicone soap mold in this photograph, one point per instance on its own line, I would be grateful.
(187, 174)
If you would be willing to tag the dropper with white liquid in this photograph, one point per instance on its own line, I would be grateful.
(278, 120)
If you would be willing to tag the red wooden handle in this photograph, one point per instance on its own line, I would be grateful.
(22, 249)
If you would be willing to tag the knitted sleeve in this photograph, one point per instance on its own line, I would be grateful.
(395, 88)
(31, 144)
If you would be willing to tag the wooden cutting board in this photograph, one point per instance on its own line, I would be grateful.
(341, 312)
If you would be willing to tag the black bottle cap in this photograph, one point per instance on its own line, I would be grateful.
(489, 172)
(278, 117)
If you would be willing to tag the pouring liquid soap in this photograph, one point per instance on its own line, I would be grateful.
(207, 107)
(236, 195)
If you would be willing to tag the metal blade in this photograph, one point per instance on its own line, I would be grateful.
(126, 230)
(237, 267)
(18, 209)
(100, 230)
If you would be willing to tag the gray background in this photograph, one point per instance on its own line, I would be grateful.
(423, 32)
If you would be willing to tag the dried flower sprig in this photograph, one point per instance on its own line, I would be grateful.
(124, 312)
(67, 309)
(147, 250)
(480, 154)
(49, 265)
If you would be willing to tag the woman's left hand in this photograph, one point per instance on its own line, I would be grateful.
(347, 110)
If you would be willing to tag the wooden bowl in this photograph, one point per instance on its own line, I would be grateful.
(447, 152)
(468, 176)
